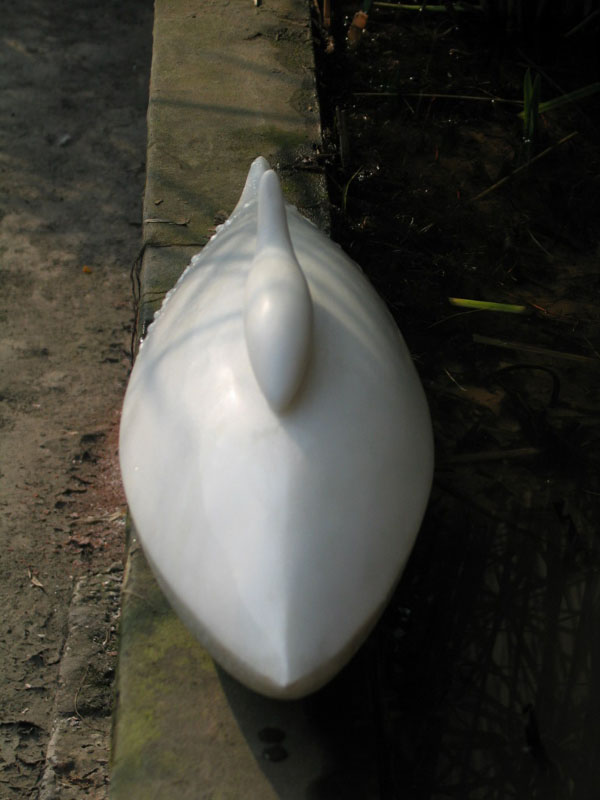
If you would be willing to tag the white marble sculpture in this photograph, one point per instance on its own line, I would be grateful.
(276, 448)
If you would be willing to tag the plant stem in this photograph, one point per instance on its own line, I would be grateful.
(484, 305)
(501, 182)
(437, 95)
(346, 188)
(581, 24)
(425, 6)
(533, 348)
(571, 97)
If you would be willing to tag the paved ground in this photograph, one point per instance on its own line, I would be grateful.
(74, 80)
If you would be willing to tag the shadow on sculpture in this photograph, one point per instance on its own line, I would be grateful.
(276, 448)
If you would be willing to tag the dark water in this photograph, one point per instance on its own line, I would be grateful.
(482, 679)
(492, 689)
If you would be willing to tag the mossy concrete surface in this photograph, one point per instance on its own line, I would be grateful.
(175, 735)
(230, 81)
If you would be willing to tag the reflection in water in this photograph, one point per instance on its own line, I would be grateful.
(489, 693)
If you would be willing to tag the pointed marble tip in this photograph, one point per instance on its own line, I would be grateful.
(272, 230)
(257, 169)
(278, 311)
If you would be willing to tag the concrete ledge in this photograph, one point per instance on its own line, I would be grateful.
(185, 729)
(229, 81)
(175, 734)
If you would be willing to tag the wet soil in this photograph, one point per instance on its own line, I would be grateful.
(483, 678)
(74, 77)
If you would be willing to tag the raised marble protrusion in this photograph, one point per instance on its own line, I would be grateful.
(278, 312)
